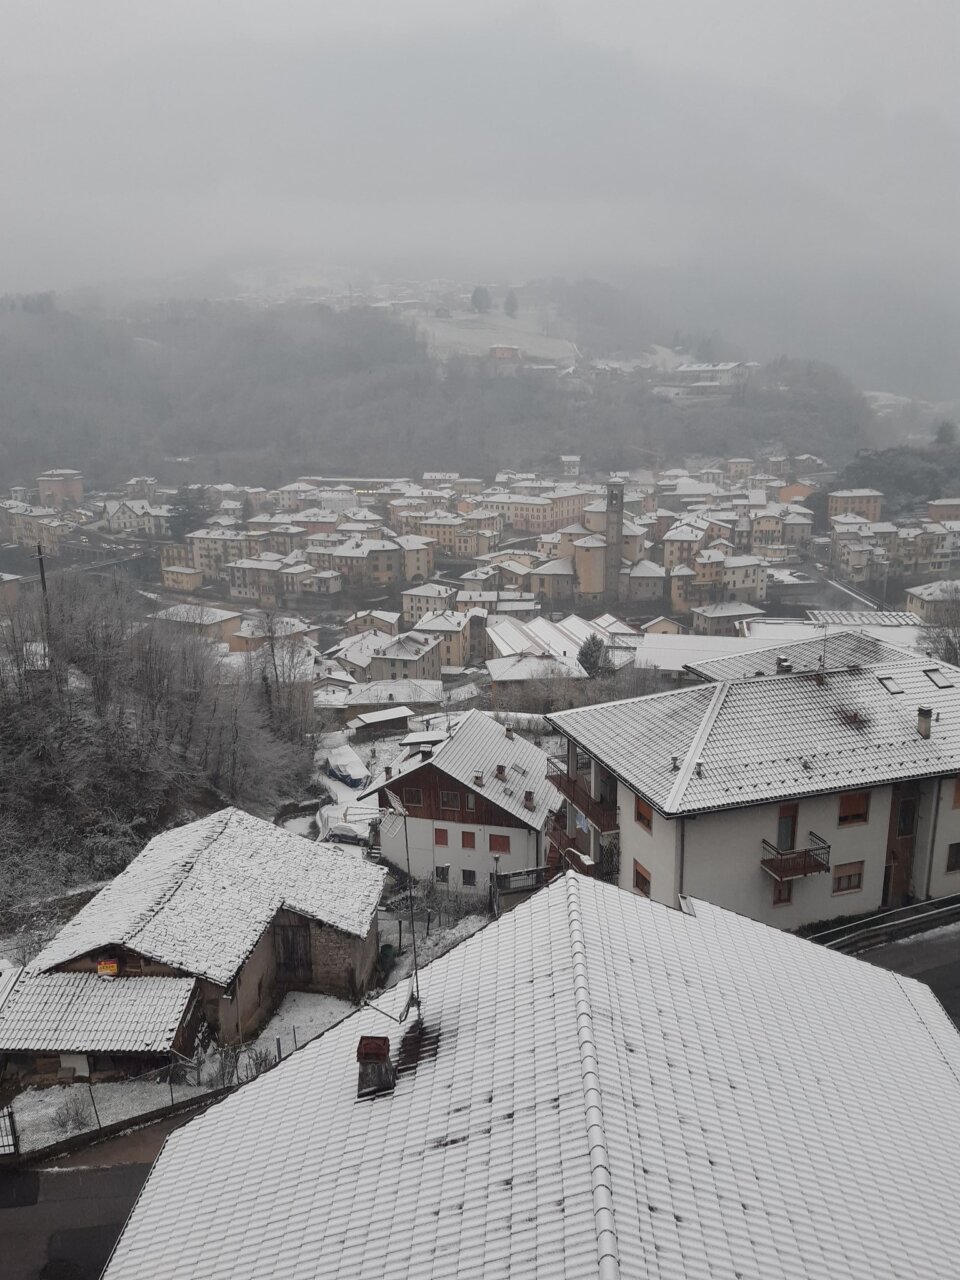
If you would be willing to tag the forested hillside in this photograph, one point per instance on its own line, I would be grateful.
(259, 395)
(111, 728)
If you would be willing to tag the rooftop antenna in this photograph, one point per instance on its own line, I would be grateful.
(398, 808)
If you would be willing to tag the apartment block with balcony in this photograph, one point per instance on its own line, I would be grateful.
(813, 781)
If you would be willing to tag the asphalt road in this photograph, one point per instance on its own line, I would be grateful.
(933, 958)
(60, 1221)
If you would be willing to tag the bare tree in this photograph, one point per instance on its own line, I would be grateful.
(942, 634)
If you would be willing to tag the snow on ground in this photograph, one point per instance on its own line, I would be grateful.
(927, 935)
(301, 824)
(438, 944)
(302, 1016)
(34, 1109)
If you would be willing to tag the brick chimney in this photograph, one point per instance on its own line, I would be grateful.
(924, 721)
(376, 1073)
(528, 800)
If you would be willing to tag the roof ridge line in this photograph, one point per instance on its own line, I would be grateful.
(693, 751)
(608, 1247)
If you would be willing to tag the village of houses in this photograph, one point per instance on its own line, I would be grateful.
(618, 1054)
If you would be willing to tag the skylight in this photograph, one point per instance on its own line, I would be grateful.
(938, 677)
(890, 684)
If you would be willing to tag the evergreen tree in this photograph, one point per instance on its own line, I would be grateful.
(480, 300)
(593, 657)
(510, 304)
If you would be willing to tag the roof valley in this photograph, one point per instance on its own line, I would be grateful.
(608, 1249)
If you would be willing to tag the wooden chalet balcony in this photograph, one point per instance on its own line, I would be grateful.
(792, 864)
(602, 815)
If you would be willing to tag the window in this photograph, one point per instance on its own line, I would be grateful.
(782, 892)
(471, 800)
(643, 813)
(953, 857)
(499, 844)
(956, 792)
(847, 877)
(442, 873)
(469, 879)
(412, 796)
(854, 807)
(468, 840)
(641, 879)
(449, 800)
(583, 762)
(440, 835)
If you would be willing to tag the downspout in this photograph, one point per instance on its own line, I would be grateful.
(933, 838)
(683, 842)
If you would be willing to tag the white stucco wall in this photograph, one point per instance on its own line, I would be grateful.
(723, 851)
(426, 854)
(947, 832)
(656, 850)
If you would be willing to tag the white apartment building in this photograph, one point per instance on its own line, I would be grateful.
(794, 785)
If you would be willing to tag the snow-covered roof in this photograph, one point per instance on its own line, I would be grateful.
(478, 745)
(199, 615)
(727, 609)
(198, 897)
(822, 652)
(601, 1086)
(947, 590)
(380, 717)
(384, 692)
(751, 741)
(533, 666)
(562, 567)
(432, 590)
(84, 1013)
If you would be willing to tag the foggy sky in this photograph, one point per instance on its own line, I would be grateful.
(757, 136)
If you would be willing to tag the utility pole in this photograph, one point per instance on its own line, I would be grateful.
(46, 601)
(399, 809)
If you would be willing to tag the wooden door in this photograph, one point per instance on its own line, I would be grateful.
(293, 950)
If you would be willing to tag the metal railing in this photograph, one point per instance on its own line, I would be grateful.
(792, 864)
(525, 880)
(601, 814)
(9, 1145)
(898, 922)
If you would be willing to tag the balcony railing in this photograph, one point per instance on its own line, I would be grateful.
(792, 864)
(526, 880)
(602, 814)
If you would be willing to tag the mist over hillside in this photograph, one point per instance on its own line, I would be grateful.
(823, 230)
(256, 395)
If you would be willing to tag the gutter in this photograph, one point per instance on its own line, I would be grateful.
(933, 837)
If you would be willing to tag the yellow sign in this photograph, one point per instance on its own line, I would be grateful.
(108, 968)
